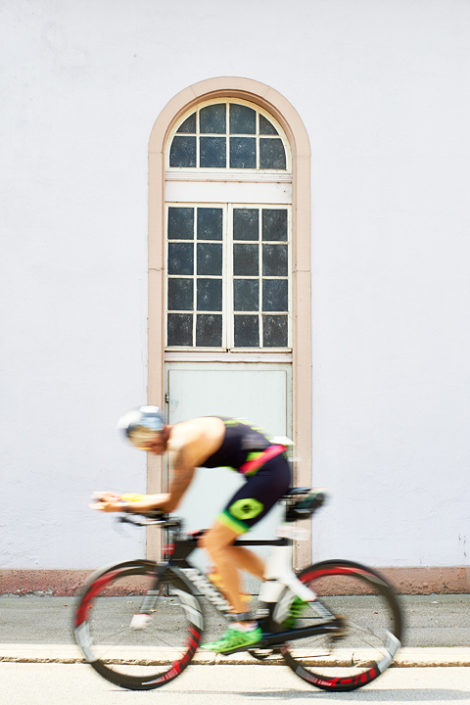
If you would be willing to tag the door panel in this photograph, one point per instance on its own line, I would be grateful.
(259, 393)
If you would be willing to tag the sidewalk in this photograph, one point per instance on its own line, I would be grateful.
(37, 629)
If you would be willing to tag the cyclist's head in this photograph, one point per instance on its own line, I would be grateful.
(143, 426)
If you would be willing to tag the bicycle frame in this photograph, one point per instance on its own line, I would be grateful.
(271, 610)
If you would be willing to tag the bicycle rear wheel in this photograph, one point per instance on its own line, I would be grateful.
(369, 636)
(136, 631)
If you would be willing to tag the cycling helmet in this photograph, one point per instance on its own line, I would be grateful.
(142, 426)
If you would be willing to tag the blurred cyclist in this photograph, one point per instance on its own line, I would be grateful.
(213, 442)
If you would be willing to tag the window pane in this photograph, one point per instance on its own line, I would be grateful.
(275, 297)
(212, 119)
(246, 330)
(180, 258)
(245, 260)
(242, 120)
(275, 260)
(180, 329)
(243, 153)
(271, 154)
(274, 224)
(209, 331)
(183, 151)
(180, 294)
(245, 224)
(275, 331)
(180, 223)
(212, 152)
(189, 125)
(209, 223)
(265, 127)
(246, 295)
(209, 259)
(209, 295)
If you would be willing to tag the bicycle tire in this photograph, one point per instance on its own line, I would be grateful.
(120, 642)
(371, 635)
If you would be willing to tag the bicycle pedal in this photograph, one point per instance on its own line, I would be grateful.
(342, 629)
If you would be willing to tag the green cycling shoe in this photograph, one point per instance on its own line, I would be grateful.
(234, 639)
(296, 608)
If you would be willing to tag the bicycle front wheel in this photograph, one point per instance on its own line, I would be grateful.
(370, 632)
(135, 630)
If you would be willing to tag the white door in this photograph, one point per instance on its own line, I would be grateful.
(259, 393)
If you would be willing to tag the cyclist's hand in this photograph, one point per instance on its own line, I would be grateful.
(107, 502)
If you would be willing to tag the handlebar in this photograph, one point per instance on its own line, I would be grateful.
(154, 517)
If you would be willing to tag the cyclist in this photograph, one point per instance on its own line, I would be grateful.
(211, 442)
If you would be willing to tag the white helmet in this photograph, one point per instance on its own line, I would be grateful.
(142, 426)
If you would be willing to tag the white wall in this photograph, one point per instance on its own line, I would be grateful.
(381, 86)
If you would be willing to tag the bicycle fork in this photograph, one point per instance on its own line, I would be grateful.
(142, 617)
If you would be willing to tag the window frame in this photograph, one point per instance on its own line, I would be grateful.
(279, 108)
(248, 172)
(228, 311)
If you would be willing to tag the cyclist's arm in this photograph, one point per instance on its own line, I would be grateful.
(112, 502)
(182, 474)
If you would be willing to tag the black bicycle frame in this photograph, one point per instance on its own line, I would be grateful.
(176, 556)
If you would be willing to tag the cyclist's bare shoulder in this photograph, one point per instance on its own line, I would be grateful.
(198, 438)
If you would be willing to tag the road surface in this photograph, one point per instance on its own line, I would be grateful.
(75, 684)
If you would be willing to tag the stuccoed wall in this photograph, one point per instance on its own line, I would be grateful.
(381, 87)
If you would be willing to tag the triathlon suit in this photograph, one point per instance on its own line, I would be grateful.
(246, 450)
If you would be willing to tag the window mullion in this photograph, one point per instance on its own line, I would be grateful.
(228, 277)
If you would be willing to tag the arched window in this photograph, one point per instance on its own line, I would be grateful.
(228, 264)
(228, 135)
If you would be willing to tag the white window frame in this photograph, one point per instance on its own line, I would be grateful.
(223, 170)
(228, 312)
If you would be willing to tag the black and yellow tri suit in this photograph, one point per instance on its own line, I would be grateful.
(248, 451)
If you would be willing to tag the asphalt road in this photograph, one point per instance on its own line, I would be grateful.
(56, 684)
(431, 620)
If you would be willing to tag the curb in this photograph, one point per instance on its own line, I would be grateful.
(424, 657)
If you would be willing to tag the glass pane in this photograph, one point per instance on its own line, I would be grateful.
(189, 125)
(242, 120)
(209, 259)
(265, 127)
(180, 294)
(275, 331)
(245, 260)
(180, 329)
(245, 224)
(180, 223)
(209, 295)
(275, 260)
(209, 331)
(271, 154)
(212, 152)
(243, 153)
(212, 119)
(246, 295)
(274, 224)
(275, 296)
(246, 331)
(183, 151)
(209, 223)
(180, 258)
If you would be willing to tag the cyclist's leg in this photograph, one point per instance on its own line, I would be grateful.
(246, 508)
(218, 542)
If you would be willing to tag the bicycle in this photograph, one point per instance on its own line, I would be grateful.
(139, 623)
